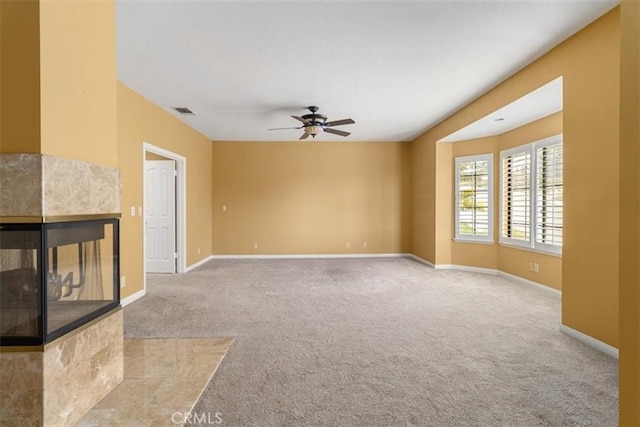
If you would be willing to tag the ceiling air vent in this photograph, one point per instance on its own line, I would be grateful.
(184, 110)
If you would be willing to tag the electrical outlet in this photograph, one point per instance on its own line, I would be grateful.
(348, 245)
(536, 268)
(133, 210)
(365, 244)
(139, 210)
(255, 246)
(224, 208)
(530, 265)
(123, 281)
(198, 251)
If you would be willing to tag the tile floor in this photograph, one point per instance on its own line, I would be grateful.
(163, 379)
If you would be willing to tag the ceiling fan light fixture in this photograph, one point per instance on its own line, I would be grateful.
(313, 130)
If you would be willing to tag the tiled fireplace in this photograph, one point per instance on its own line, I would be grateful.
(61, 346)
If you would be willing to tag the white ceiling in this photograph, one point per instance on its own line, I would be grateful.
(535, 105)
(396, 67)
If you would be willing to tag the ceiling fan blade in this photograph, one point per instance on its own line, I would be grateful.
(340, 122)
(337, 132)
(300, 119)
(299, 127)
(304, 136)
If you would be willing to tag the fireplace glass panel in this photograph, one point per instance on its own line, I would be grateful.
(80, 273)
(54, 277)
(19, 283)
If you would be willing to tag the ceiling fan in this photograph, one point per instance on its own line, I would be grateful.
(314, 123)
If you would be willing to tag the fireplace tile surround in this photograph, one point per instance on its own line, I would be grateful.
(40, 185)
(58, 382)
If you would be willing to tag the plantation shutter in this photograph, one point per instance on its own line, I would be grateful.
(516, 196)
(549, 194)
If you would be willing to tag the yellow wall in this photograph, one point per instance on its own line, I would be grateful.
(19, 77)
(141, 121)
(516, 261)
(589, 62)
(483, 255)
(59, 79)
(78, 80)
(444, 196)
(311, 197)
(630, 214)
(153, 156)
(423, 197)
(591, 124)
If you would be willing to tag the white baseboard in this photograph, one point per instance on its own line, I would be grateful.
(590, 341)
(480, 270)
(310, 256)
(199, 263)
(494, 272)
(134, 297)
(420, 260)
(529, 282)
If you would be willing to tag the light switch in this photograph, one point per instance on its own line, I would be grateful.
(133, 211)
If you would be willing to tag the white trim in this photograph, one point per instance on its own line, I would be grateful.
(590, 341)
(421, 260)
(529, 282)
(499, 273)
(480, 270)
(134, 297)
(488, 157)
(477, 242)
(311, 256)
(199, 263)
(532, 243)
(181, 206)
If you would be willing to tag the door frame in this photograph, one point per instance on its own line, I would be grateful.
(181, 206)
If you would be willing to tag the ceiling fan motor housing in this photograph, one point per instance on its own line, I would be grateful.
(315, 121)
(314, 118)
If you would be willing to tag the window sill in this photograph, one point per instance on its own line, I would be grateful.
(529, 249)
(482, 242)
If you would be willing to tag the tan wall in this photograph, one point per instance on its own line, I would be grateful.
(78, 80)
(311, 197)
(153, 156)
(516, 261)
(591, 123)
(423, 197)
(589, 62)
(483, 255)
(630, 214)
(445, 200)
(20, 77)
(141, 121)
(58, 79)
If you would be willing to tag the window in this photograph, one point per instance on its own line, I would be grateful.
(474, 198)
(531, 195)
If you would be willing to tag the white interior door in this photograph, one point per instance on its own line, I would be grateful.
(160, 216)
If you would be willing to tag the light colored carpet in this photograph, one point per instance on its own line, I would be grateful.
(379, 342)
